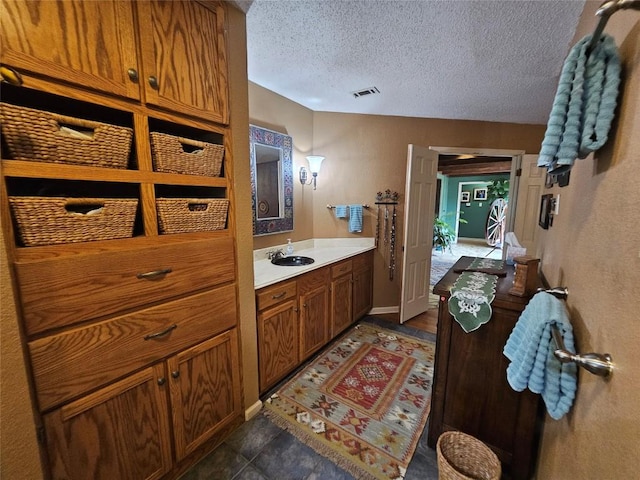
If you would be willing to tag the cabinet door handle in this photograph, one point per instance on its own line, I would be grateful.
(164, 332)
(154, 274)
(133, 74)
(11, 76)
(162, 381)
(153, 81)
(175, 374)
(280, 295)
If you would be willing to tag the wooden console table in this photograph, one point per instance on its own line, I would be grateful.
(471, 393)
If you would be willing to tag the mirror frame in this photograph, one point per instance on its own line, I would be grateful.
(263, 136)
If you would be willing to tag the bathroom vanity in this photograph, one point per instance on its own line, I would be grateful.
(470, 391)
(300, 309)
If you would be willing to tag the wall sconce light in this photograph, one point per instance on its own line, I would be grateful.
(314, 166)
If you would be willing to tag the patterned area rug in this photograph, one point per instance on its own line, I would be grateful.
(439, 268)
(363, 402)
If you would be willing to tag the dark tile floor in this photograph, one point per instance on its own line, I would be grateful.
(259, 450)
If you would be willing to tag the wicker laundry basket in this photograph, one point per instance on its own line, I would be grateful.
(463, 457)
(183, 215)
(170, 155)
(55, 220)
(41, 136)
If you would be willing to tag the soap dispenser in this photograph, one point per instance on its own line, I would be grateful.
(289, 249)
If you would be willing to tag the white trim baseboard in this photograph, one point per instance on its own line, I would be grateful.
(252, 411)
(383, 310)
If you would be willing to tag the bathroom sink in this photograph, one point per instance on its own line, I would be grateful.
(293, 261)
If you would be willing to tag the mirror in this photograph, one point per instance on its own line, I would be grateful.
(271, 181)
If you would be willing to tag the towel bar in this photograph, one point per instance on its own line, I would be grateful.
(596, 363)
(364, 205)
(558, 292)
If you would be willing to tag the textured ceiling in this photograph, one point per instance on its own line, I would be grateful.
(473, 59)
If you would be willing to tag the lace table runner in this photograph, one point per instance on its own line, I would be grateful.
(472, 294)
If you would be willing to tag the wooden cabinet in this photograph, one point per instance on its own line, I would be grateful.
(132, 342)
(313, 304)
(362, 284)
(185, 72)
(205, 391)
(120, 431)
(471, 393)
(91, 44)
(298, 317)
(182, 65)
(278, 335)
(341, 297)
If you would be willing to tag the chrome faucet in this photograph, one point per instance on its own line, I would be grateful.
(273, 254)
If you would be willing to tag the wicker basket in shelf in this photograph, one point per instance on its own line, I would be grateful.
(169, 156)
(463, 457)
(55, 220)
(183, 215)
(42, 136)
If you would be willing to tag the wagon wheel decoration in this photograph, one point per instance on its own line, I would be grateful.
(496, 222)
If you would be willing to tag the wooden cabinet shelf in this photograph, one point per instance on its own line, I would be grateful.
(27, 169)
(132, 343)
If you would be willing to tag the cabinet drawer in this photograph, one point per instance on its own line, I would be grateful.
(71, 363)
(269, 296)
(362, 261)
(340, 269)
(66, 290)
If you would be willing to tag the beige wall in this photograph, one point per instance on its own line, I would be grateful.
(592, 248)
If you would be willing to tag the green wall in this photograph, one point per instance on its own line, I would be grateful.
(476, 213)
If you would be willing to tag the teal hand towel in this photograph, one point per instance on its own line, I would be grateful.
(584, 104)
(340, 211)
(355, 218)
(530, 349)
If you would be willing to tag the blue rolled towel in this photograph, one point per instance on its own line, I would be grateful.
(530, 349)
(355, 218)
(340, 211)
(584, 104)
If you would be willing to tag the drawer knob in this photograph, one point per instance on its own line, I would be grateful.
(162, 381)
(164, 332)
(153, 81)
(280, 295)
(154, 274)
(133, 74)
(9, 75)
(175, 374)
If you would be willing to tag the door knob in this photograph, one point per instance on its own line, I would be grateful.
(133, 74)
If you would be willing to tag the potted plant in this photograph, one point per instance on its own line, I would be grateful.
(443, 235)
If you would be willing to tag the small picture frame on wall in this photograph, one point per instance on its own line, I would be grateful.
(465, 197)
(480, 194)
(545, 211)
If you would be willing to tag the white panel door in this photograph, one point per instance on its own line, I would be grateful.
(530, 189)
(420, 195)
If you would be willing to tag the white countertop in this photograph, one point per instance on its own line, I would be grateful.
(323, 250)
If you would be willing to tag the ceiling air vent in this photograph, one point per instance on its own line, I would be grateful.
(365, 91)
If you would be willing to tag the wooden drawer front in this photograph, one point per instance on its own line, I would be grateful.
(340, 269)
(362, 261)
(70, 289)
(313, 280)
(71, 363)
(280, 292)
